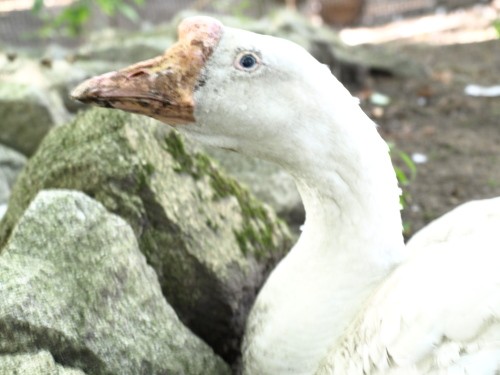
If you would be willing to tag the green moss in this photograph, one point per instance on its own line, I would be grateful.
(150, 168)
(175, 146)
(212, 225)
(144, 175)
(256, 235)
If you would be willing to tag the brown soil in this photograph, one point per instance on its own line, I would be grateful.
(459, 134)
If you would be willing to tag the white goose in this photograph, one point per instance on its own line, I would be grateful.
(349, 298)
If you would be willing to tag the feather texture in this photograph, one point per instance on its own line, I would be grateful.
(439, 312)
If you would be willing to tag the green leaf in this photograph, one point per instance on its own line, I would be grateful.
(37, 6)
(496, 25)
(409, 163)
(108, 7)
(71, 19)
(129, 12)
(402, 173)
(407, 229)
(401, 176)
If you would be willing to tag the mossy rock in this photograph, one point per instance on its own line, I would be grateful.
(11, 163)
(75, 284)
(41, 363)
(210, 242)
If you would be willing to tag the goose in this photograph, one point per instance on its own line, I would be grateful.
(350, 297)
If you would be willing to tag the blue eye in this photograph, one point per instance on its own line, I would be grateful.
(247, 61)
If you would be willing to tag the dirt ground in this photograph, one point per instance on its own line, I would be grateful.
(459, 134)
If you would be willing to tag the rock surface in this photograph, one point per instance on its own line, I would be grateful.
(269, 183)
(74, 283)
(210, 242)
(124, 47)
(26, 117)
(41, 363)
(11, 163)
(30, 104)
(3, 210)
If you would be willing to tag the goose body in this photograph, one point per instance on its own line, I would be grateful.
(438, 312)
(350, 297)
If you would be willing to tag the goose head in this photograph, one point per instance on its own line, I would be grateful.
(227, 88)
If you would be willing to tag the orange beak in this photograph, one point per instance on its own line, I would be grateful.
(162, 87)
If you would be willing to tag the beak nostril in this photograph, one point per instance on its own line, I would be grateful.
(137, 73)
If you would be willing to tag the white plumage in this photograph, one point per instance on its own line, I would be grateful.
(350, 297)
(437, 313)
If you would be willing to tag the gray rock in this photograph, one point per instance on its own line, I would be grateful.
(118, 46)
(3, 210)
(30, 104)
(41, 363)
(26, 116)
(11, 163)
(52, 77)
(62, 76)
(267, 181)
(210, 242)
(73, 282)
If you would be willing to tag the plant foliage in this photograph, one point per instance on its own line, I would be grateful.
(406, 172)
(72, 18)
(496, 25)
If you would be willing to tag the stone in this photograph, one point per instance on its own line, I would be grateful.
(26, 116)
(30, 103)
(211, 243)
(11, 163)
(3, 210)
(125, 47)
(40, 363)
(74, 283)
(267, 181)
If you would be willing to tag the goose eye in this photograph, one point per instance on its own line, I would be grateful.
(247, 61)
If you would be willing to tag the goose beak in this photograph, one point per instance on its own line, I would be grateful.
(162, 87)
